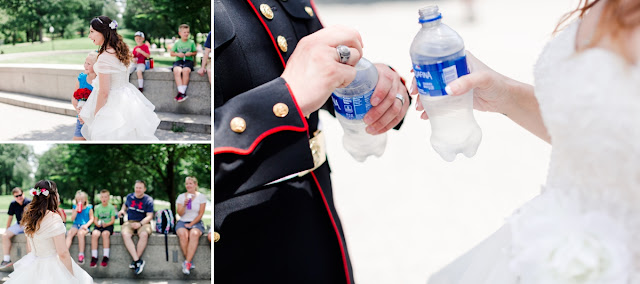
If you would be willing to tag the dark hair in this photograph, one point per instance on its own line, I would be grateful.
(183, 26)
(39, 206)
(104, 191)
(111, 38)
(142, 182)
(16, 190)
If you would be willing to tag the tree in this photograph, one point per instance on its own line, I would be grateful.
(161, 18)
(15, 168)
(92, 167)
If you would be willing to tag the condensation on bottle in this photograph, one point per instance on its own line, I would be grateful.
(438, 58)
(351, 103)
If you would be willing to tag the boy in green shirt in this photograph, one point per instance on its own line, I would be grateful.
(185, 51)
(106, 217)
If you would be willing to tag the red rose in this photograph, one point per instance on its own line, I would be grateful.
(81, 94)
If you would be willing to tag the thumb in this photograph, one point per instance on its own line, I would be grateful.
(467, 83)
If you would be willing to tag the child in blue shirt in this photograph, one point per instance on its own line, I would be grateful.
(84, 82)
(82, 218)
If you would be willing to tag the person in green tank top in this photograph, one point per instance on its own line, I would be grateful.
(185, 51)
(106, 216)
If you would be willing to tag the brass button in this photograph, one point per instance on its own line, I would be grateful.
(309, 10)
(238, 125)
(216, 237)
(282, 43)
(280, 110)
(266, 11)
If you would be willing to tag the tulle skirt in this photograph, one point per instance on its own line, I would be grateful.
(487, 263)
(127, 115)
(45, 270)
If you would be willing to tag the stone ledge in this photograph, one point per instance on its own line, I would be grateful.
(168, 121)
(58, 81)
(156, 267)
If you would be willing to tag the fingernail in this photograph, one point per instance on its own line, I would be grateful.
(375, 101)
(370, 129)
(411, 89)
(448, 89)
(367, 119)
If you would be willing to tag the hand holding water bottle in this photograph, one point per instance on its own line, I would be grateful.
(388, 110)
(314, 70)
(491, 90)
(188, 200)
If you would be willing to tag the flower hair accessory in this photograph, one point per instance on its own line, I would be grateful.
(113, 25)
(38, 191)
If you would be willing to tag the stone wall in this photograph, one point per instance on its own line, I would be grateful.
(156, 266)
(58, 81)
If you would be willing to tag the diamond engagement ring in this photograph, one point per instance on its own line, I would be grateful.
(401, 98)
(343, 53)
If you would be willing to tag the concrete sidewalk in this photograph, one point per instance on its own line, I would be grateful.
(409, 213)
(4, 276)
(25, 124)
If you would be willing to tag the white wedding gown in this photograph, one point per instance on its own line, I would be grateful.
(42, 265)
(585, 225)
(127, 115)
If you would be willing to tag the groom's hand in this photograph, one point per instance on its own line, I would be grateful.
(387, 110)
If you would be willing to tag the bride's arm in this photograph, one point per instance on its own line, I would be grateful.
(103, 92)
(495, 92)
(63, 251)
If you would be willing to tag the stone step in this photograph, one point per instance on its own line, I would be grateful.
(155, 255)
(169, 121)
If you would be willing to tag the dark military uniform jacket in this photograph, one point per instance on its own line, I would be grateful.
(264, 232)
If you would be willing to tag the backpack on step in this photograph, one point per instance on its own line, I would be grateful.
(165, 224)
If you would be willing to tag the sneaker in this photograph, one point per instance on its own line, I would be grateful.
(141, 90)
(139, 266)
(132, 265)
(177, 97)
(181, 97)
(94, 262)
(5, 264)
(105, 261)
(80, 259)
(186, 267)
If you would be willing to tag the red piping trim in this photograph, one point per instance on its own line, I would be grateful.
(255, 143)
(304, 120)
(335, 228)
(269, 32)
(313, 5)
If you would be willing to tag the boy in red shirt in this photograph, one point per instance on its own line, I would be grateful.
(140, 53)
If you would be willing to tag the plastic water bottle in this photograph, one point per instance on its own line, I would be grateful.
(438, 58)
(351, 103)
(189, 199)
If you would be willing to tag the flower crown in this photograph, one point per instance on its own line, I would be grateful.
(113, 25)
(38, 191)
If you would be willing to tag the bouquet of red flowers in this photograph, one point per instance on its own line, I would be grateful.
(81, 94)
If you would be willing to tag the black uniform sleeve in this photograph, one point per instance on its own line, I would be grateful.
(254, 132)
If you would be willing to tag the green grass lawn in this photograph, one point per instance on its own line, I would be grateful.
(5, 200)
(75, 44)
(62, 44)
(78, 59)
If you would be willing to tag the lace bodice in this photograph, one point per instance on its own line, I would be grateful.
(42, 241)
(111, 65)
(590, 104)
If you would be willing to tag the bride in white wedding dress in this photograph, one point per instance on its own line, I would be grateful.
(116, 110)
(48, 260)
(585, 225)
